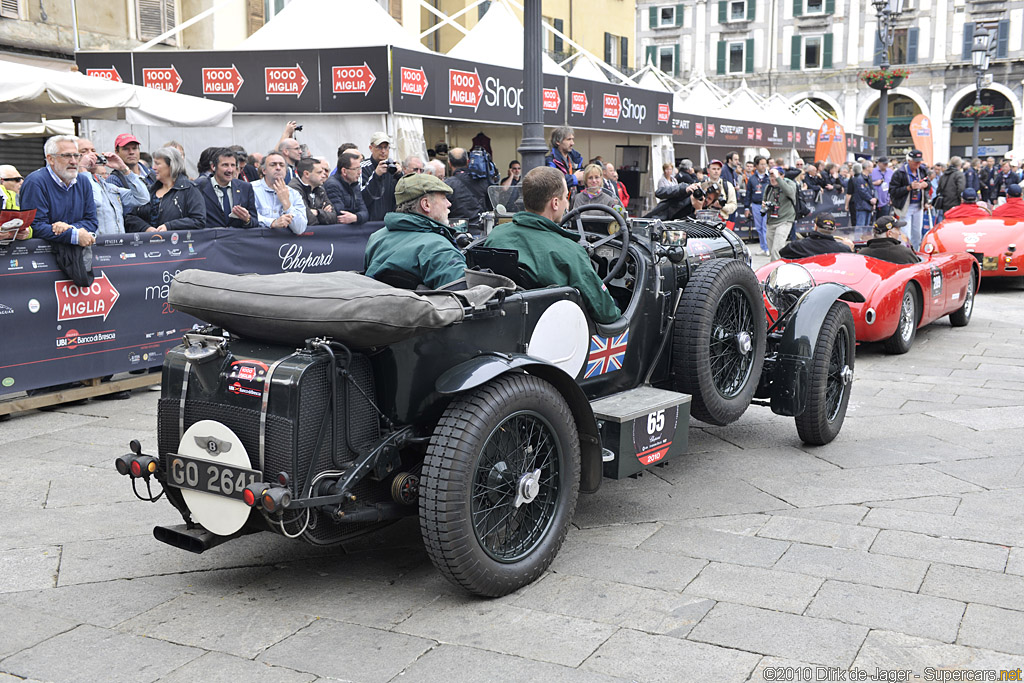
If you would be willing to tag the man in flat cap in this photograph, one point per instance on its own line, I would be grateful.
(887, 242)
(821, 241)
(416, 246)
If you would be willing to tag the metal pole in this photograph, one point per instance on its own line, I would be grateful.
(883, 102)
(74, 25)
(533, 147)
(977, 119)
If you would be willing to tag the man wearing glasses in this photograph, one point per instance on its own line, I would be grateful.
(412, 165)
(65, 208)
(11, 186)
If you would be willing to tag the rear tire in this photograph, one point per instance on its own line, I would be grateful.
(828, 392)
(488, 524)
(718, 340)
(906, 329)
(962, 316)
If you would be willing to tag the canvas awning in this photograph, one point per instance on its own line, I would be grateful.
(498, 39)
(322, 24)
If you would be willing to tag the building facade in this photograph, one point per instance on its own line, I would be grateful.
(816, 48)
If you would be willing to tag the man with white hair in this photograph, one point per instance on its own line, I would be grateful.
(435, 168)
(65, 208)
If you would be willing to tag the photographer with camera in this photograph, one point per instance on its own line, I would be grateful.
(380, 176)
(716, 192)
(112, 201)
(779, 207)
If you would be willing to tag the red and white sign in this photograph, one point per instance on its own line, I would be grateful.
(552, 100)
(698, 129)
(465, 89)
(94, 301)
(664, 112)
(106, 74)
(222, 81)
(579, 102)
(612, 107)
(352, 79)
(711, 130)
(285, 80)
(162, 79)
(413, 82)
(758, 136)
(750, 133)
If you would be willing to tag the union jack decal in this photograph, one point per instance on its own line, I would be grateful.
(606, 354)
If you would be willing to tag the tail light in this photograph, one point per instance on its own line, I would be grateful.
(253, 493)
(276, 499)
(137, 465)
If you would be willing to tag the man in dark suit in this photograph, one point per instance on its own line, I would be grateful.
(230, 202)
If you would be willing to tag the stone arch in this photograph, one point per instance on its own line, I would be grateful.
(817, 94)
(922, 104)
(947, 112)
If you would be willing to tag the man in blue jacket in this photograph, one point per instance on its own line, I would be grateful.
(65, 208)
(230, 202)
(756, 185)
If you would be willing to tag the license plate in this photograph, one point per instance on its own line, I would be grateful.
(210, 477)
(990, 263)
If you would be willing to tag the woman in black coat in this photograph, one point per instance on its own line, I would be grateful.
(175, 203)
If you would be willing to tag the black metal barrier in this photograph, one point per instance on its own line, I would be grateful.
(53, 332)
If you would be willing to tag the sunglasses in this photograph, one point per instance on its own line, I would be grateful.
(13, 180)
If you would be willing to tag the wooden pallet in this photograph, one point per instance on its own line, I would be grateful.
(90, 389)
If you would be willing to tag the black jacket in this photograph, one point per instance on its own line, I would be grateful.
(888, 249)
(314, 198)
(241, 194)
(812, 245)
(675, 203)
(181, 208)
(468, 198)
(899, 186)
(378, 191)
(346, 197)
(951, 186)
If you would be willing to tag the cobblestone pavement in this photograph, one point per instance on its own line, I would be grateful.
(896, 548)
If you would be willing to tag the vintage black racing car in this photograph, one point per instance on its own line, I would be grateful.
(324, 406)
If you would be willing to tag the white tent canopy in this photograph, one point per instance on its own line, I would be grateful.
(321, 24)
(29, 93)
(498, 38)
(585, 68)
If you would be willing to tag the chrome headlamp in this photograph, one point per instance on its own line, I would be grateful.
(786, 284)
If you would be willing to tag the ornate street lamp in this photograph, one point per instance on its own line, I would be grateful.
(888, 12)
(979, 57)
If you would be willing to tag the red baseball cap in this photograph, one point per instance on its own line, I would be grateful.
(716, 161)
(126, 139)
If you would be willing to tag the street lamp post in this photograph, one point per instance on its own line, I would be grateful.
(979, 57)
(888, 12)
(532, 148)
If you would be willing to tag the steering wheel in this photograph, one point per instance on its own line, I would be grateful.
(623, 233)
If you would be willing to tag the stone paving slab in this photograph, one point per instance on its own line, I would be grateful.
(22, 628)
(216, 667)
(856, 566)
(940, 505)
(767, 588)
(339, 651)
(452, 662)
(100, 604)
(659, 659)
(884, 608)
(508, 629)
(818, 532)
(889, 651)
(820, 641)
(975, 586)
(637, 566)
(1000, 506)
(993, 627)
(714, 545)
(88, 654)
(1001, 472)
(29, 568)
(946, 526)
(946, 550)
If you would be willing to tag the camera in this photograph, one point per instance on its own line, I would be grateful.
(770, 208)
(392, 166)
(298, 128)
(698, 194)
(101, 159)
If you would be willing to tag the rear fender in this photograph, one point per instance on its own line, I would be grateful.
(791, 372)
(484, 368)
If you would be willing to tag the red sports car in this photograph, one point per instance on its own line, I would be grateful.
(993, 241)
(898, 298)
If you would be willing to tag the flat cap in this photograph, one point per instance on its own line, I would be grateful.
(418, 184)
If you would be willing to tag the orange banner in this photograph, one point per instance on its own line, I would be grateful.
(921, 133)
(831, 144)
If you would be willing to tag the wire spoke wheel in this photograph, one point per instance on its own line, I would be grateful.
(730, 353)
(836, 384)
(831, 378)
(906, 329)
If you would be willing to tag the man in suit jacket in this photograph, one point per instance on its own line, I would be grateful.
(230, 202)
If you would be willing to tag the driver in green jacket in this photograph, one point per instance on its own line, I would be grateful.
(549, 255)
(416, 246)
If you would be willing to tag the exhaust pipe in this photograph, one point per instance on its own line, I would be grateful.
(196, 540)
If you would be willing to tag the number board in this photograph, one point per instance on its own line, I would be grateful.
(209, 477)
(652, 437)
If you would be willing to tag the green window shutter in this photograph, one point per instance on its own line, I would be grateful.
(723, 11)
(748, 55)
(608, 48)
(798, 7)
(652, 55)
(1003, 39)
(559, 26)
(751, 10)
(830, 6)
(826, 52)
(912, 38)
(721, 57)
(653, 14)
(679, 15)
(624, 52)
(968, 40)
(795, 62)
(675, 62)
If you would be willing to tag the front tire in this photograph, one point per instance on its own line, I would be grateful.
(500, 482)
(828, 392)
(962, 316)
(718, 340)
(906, 329)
